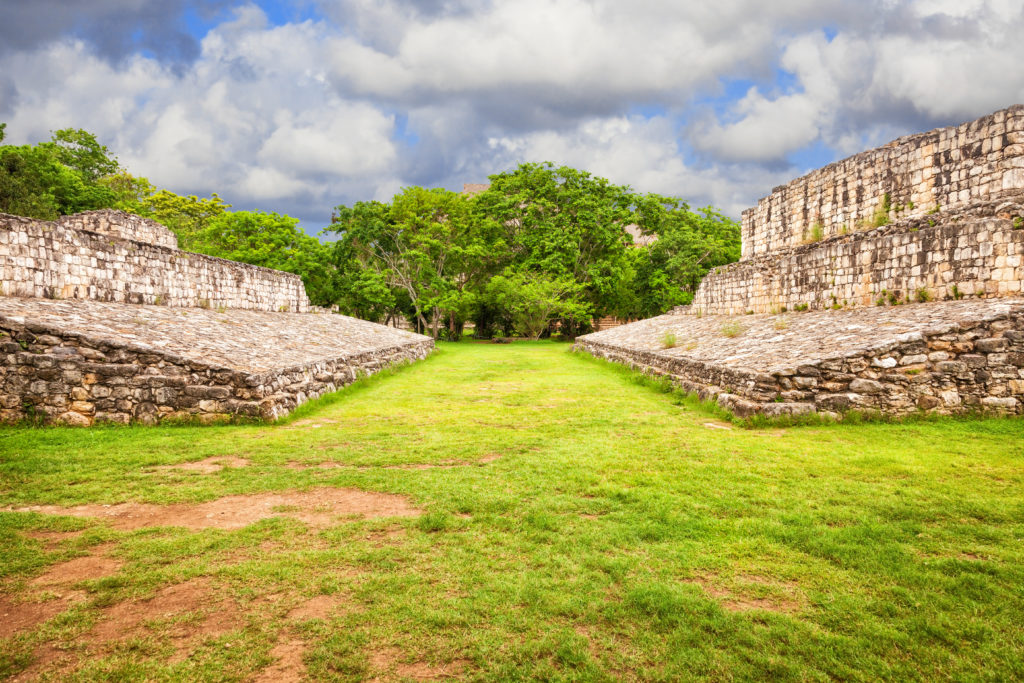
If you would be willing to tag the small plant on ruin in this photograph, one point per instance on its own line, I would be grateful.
(699, 313)
(802, 307)
(957, 294)
(935, 209)
(689, 346)
(732, 329)
(815, 233)
(923, 296)
(781, 323)
(881, 216)
(894, 298)
(910, 205)
(204, 303)
(222, 308)
(668, 340)
(1018, 223)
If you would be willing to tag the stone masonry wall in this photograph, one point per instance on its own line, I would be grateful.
(948, 167)
(971, 365)
(54, 375)
(68, 260)
(121, 224)
(977, 256)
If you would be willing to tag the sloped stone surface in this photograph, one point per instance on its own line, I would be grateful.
(949, 356)
(82, 361)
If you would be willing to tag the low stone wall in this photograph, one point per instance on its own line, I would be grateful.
(950, 168)
(57, 261)
(963, 256)
(121, 224)
(53, 374)
(976, 363)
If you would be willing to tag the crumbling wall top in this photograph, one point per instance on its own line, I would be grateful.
(123, 225)
(926, 173)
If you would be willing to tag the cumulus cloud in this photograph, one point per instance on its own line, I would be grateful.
(708, 101)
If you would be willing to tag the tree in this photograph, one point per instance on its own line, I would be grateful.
(55, 178)
(425, 244)
(535, 300)
(567, 225)
(689, 244)
(272, 241)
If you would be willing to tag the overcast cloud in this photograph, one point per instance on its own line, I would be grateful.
(298, 107)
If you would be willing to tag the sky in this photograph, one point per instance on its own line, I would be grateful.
(299, 106)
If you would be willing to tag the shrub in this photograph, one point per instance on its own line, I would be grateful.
(802, 307)
(922, 295)
(732, 329)
(668, 340)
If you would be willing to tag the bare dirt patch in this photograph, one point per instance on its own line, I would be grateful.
(52, 539)
(288, 665)
(318, 607)
(443, 465)
(79, 569)
(186, 613)
(319, 508)
(718, 425)
(387, 666)
(22, 616)
(205, 466)
(739, 598)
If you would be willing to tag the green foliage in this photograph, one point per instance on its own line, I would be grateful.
(55, 178)
(802, 307)
(272, 241)
(425, 245)
(732, 329)
(535, 300)
(668, 340)
(815, 233)
(922, 295)
(688, 245)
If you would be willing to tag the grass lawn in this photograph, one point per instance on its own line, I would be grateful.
(575, 525)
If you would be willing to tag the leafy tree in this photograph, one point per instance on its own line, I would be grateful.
(535, 300)
(565, 224)
(79, 150)
(425, 244)
(689, 244)
(56, 177)
(272, 241)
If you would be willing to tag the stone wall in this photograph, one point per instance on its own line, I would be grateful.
(911, 261)
(54, 375)
(972, 365)
(950, 168)
(121, 224)
(69, 259)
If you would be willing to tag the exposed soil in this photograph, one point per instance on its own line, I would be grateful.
(288, 665)
(187, 613)
(443, 465)
(52, 539)
(21, 616)
(94, 566)
(739, 602)
(319, 607)
(206, 466)
(386, 666)
(718, 425)
(318, 508)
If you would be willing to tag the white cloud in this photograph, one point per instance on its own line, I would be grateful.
(386, 93)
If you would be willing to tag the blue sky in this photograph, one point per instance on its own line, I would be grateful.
(297, 107)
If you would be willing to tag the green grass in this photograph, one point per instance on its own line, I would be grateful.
(617, 536)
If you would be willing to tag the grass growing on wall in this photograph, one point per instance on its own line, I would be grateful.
(595, 530)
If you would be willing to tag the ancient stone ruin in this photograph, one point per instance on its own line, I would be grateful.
(104, 319)
(889, 281)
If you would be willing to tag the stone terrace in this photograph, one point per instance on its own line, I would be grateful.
(950, 357)
(84, 361)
